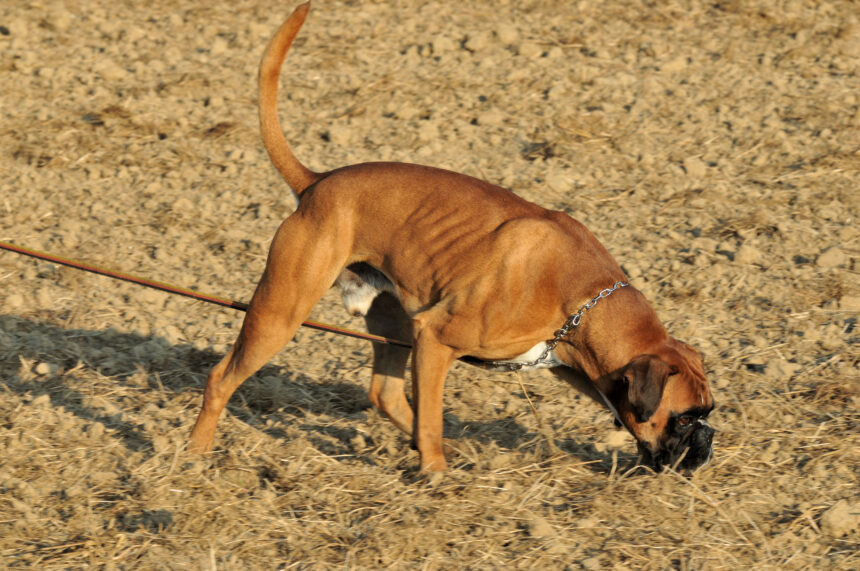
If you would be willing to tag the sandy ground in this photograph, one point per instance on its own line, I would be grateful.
(712, 146)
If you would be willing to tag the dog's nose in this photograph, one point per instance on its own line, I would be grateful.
(703, 437)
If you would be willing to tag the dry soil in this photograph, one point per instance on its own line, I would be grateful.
(712, 146)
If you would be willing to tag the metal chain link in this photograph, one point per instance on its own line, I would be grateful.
(570, 323)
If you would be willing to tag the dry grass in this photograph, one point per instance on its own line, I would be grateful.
(713, 147)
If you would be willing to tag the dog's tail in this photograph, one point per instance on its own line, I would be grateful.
(297, 175)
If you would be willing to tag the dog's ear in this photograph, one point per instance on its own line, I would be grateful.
(646, 376)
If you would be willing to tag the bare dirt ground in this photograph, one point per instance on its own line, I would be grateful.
(712, 146)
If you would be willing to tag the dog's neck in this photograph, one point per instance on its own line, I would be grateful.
(613, 332)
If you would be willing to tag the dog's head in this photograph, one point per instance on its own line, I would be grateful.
(663, 399)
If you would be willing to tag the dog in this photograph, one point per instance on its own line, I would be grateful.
(461, 269)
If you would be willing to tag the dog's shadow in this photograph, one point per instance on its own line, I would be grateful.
(154, 364)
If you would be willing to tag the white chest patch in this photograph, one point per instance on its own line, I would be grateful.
(534, 354)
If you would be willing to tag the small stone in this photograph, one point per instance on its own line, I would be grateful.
(43, 369)
(103, 478)
(780, 369)
(747, 254)
(74, 491)
(555, 52)
(831, 258)
(428, 131)
(479, 41)
(15, 300)
(160, 443)
(500, 461)
(407, 112)
(61, 20)
(508, 34)
(241, 477)
(675, 65)
(96, 430)
(491, 118)
(70, 241)
(695, 167)
(540, 528)
(768, 455)
(840, 520)
(849, 47)
(558, 180)
(112, 72)
(530, 50)
(759, 412)
(616, 439)
(183, 204)
(488, 62)
(44, 298)
(557, 93)
(443, 44)
(219, 47)
(358, 443)
(173, 335)
(705, 244)
(340, 135)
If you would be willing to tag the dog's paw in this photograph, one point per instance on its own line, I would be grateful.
(433, 479)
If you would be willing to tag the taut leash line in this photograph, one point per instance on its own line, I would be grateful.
(169, 288)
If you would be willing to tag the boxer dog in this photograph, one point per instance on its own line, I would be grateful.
(459, 268)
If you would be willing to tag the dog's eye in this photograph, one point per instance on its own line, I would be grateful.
(684, 421)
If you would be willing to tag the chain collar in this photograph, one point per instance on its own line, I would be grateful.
(570, 323)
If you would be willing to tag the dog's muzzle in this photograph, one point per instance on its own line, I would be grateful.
(686, 451)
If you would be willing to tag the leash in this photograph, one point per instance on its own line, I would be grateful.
(165, 287)
(570, 323)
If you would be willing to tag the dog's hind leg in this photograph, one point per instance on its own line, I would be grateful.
(386, 317)
(304, 261)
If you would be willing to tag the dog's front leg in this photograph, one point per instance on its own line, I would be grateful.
(430, 363)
